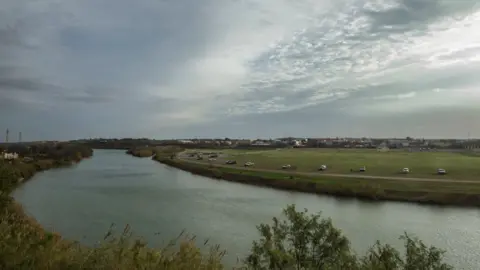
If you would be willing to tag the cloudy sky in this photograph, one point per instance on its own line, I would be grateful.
(239, 68)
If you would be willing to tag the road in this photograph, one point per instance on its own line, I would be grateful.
(351, 176)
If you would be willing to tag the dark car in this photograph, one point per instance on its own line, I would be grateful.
(231, 162)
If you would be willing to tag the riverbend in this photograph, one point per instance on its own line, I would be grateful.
(81, 202)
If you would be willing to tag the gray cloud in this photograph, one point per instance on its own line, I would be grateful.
(13, 84)
(415, 14)
(252, 69)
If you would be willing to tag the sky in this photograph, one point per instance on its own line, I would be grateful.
(165, 69)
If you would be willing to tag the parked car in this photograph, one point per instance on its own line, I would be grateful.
(248, 164)
(212, 159)
(231, 162)
(286, 166)
(441, 171)
(363, 169)
(322, 168)
(405, 170)
(213, 156)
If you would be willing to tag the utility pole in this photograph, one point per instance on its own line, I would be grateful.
(6, 136)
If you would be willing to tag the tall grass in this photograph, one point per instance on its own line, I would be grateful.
(25, 245)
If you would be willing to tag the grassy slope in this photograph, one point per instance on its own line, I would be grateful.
(447, 193)
(421, 164)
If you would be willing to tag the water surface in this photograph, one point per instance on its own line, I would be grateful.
(82, 202)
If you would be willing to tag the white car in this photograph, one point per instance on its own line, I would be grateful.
(323, 168)
(212, 159)
(441, 171)
(363, 169)
(286, 166)
(248, 164)
(406, 170)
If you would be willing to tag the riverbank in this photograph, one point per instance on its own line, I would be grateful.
(141, 152)
(441, 193)
(26, 245)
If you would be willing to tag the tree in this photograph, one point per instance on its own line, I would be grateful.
(304, 241)
(417, 256)
(301, 241)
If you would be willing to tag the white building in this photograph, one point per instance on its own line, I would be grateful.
(10, 156)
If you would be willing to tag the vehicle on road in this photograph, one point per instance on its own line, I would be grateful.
(322, 168)
(231, 162)
(441, 171)
(286, 166)
(405, 170)
(248, 164)
(363, 169)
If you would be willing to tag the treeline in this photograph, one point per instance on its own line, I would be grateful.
(122, 144)
(66, 151)
(37, 157)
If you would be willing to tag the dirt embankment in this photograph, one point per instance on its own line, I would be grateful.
(292, 184)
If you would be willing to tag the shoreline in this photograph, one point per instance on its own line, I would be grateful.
(27, 171)
(28, 243)
(316, 187)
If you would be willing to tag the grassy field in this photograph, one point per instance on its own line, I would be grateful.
(459, 166)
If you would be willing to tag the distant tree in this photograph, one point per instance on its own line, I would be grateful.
(20, 149)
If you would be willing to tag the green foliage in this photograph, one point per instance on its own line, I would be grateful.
(303, 241)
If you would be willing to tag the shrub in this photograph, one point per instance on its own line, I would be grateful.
(303, 241)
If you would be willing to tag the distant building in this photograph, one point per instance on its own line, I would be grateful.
(10, 156)
(261, 143)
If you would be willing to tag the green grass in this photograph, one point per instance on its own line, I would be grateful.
(386, 184)
(459, 166)
(444, 193)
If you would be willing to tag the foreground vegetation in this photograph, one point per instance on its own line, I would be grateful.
(297, 241)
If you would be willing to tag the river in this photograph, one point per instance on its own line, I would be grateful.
(158, 202)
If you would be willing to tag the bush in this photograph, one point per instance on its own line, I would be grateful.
(303, 241)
